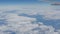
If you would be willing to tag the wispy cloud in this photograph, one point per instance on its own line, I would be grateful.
(49, 12)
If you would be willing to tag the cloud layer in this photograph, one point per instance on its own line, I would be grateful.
(24, 25)
(49, 12)
(15, 24)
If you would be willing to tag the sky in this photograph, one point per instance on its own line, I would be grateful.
(30, 16)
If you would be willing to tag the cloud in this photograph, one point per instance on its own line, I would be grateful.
(49, 12)
(51, 2)
(16, 23)
(23, 25)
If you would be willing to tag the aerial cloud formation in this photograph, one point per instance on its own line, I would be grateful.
(49, 12)
(16, 24)
(29, 17)
(24, 25)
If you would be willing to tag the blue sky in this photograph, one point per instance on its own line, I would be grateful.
(29, 16)
(19, 2)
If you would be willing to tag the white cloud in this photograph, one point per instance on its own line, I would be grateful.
(23, 25)
(18, 23)
(48, 11)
